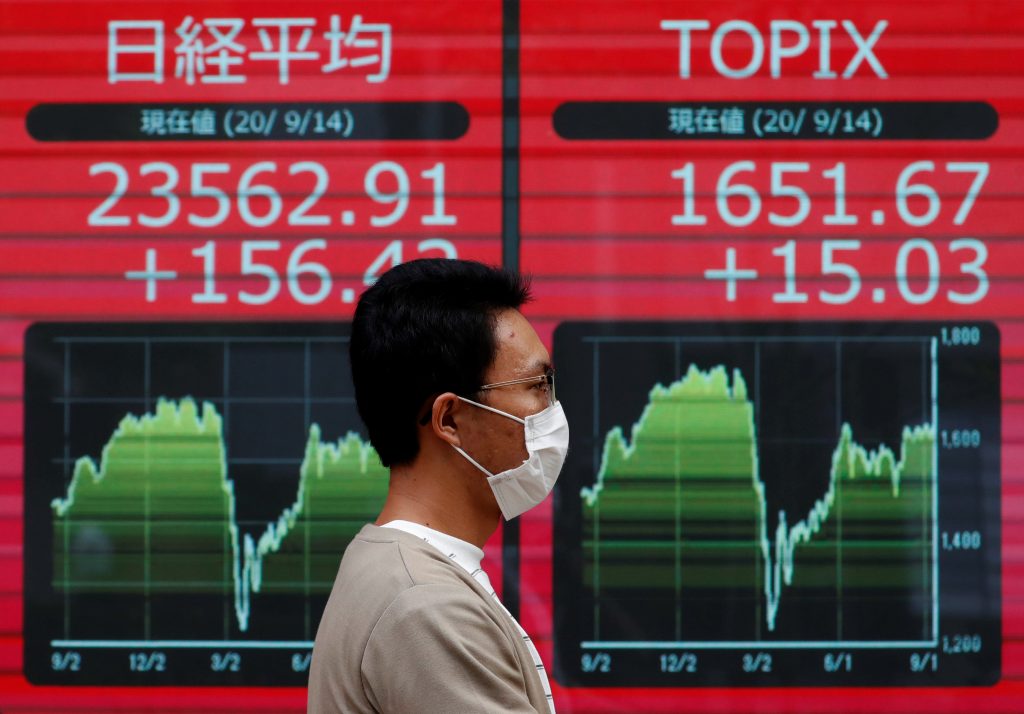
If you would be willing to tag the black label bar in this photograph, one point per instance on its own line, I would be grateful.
(775, 120)
(280, 121)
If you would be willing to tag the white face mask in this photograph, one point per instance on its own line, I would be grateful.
(547, 440)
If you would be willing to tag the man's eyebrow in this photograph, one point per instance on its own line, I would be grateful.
(538, 367)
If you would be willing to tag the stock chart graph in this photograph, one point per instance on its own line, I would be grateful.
(182, 479)
(771, 505)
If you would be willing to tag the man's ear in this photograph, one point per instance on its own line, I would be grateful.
(443, 417)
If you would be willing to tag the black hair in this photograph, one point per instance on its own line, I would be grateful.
(424, 328)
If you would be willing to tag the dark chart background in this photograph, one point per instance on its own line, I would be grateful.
(804, 384)
(269, 383)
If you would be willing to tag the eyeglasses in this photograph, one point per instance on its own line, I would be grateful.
(547, 380)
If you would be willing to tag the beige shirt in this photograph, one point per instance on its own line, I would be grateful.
(406, 630)
(470, 558)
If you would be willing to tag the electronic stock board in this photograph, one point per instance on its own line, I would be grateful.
(775, 252)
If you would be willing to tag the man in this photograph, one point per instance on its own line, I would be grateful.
(457, 393)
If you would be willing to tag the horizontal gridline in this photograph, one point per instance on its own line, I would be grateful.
(271, 339)
(879, 544)
(70, 460)
(184, 644)
(494, 196)
(757, 644)
(229, 278)
(168, 520)
(205, 398)
(749, 237)
(717, 339)
(150, 583)
(184, 521)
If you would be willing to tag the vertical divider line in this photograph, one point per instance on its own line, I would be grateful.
(677, 373)
(510, 225)
(596, 535)
(67, 483)
(839, 494)
(307, 394)
(148, 555)
(229, 583)
(759, 576)
(926, 492)
(510, 243)
(935, 490)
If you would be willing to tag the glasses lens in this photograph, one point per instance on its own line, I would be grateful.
(547, 379)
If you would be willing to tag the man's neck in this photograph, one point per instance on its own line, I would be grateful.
(421, 497)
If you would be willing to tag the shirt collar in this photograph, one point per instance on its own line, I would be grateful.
(465, 554)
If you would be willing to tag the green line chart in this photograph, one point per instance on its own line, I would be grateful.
(676, 449)
(169, 468)
(190, 490)
(774, 504)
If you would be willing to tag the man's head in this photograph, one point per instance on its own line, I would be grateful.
(433, 327)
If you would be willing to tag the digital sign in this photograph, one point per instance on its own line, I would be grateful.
(717, 528)
(774, 253)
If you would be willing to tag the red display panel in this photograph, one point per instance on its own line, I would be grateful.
(209, 187)
(785, 228)
(733, 213)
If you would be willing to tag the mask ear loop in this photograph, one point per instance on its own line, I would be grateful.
(469, 458)
(473, 461)
(492, 409)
